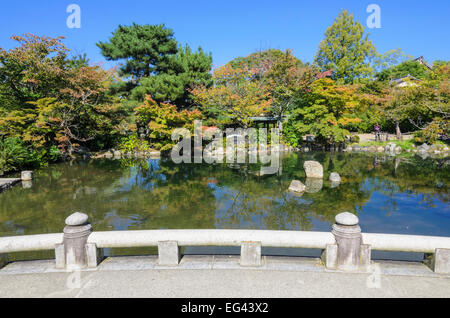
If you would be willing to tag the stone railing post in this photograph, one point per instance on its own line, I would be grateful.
(27, 179)
(26, 175)
(439, 262)
(169, 253)
(349, 253)
(250, 254)
(75, 253)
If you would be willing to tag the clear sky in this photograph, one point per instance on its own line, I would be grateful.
(230, 28)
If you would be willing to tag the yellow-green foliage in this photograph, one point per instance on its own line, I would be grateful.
(162, 119)
(133, 143)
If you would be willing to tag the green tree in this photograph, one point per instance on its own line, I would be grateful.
(235, 97)
(346, 50)
(162, 119)
(324, 112)
(188, 69)
(15, 154)
(79, 60)
(54, 100)
(390, 59)
(281, 74)
(413, 68)
(287, 79)
(146, 49)
(439, 63)
(35, 69)
(156, 65)
(84, 114)
(425, 106)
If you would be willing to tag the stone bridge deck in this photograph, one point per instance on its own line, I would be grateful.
(220, 276)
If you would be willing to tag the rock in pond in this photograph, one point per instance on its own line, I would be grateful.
(335, 177)
(313, 169)
(297, 186)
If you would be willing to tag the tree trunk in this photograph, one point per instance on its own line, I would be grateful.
(398, 131)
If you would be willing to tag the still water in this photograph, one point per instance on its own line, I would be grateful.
(390, 195)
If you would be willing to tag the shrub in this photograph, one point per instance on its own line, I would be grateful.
(432, 132)
(354, 139)
(15, 154)
(133, 143)
(54, 154)
(162, 119)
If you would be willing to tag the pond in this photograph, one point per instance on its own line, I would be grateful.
(389, 194)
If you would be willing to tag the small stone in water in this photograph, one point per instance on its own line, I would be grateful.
(297, 186)
(335, 177)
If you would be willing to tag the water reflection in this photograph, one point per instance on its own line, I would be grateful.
(390, 195)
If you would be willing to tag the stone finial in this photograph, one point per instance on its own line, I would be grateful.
(349, 242)
(76, 234)
(77, 219)
(347, 218)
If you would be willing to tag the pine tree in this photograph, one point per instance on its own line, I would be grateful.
(146, 49)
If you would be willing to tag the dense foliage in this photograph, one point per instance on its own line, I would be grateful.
(156, 64)
(48, 100)
(53, 104)
(162, 119)
(346, 50)
(324, 112)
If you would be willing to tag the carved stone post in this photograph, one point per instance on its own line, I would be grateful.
(76, 234)
(348, 239)
(348, 253)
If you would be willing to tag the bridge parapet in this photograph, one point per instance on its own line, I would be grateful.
(345, 248)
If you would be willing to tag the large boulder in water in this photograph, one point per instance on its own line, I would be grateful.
(313, 169)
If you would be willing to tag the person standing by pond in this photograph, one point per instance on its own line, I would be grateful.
(377, 132)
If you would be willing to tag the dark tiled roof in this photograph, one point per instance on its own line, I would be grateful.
(421, 60)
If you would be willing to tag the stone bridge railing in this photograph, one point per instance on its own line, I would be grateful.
(344, 248)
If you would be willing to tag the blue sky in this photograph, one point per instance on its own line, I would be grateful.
(235, 28)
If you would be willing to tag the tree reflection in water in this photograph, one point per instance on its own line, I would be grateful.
(385, 192)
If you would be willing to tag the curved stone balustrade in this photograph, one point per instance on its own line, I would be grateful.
(345, 248)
